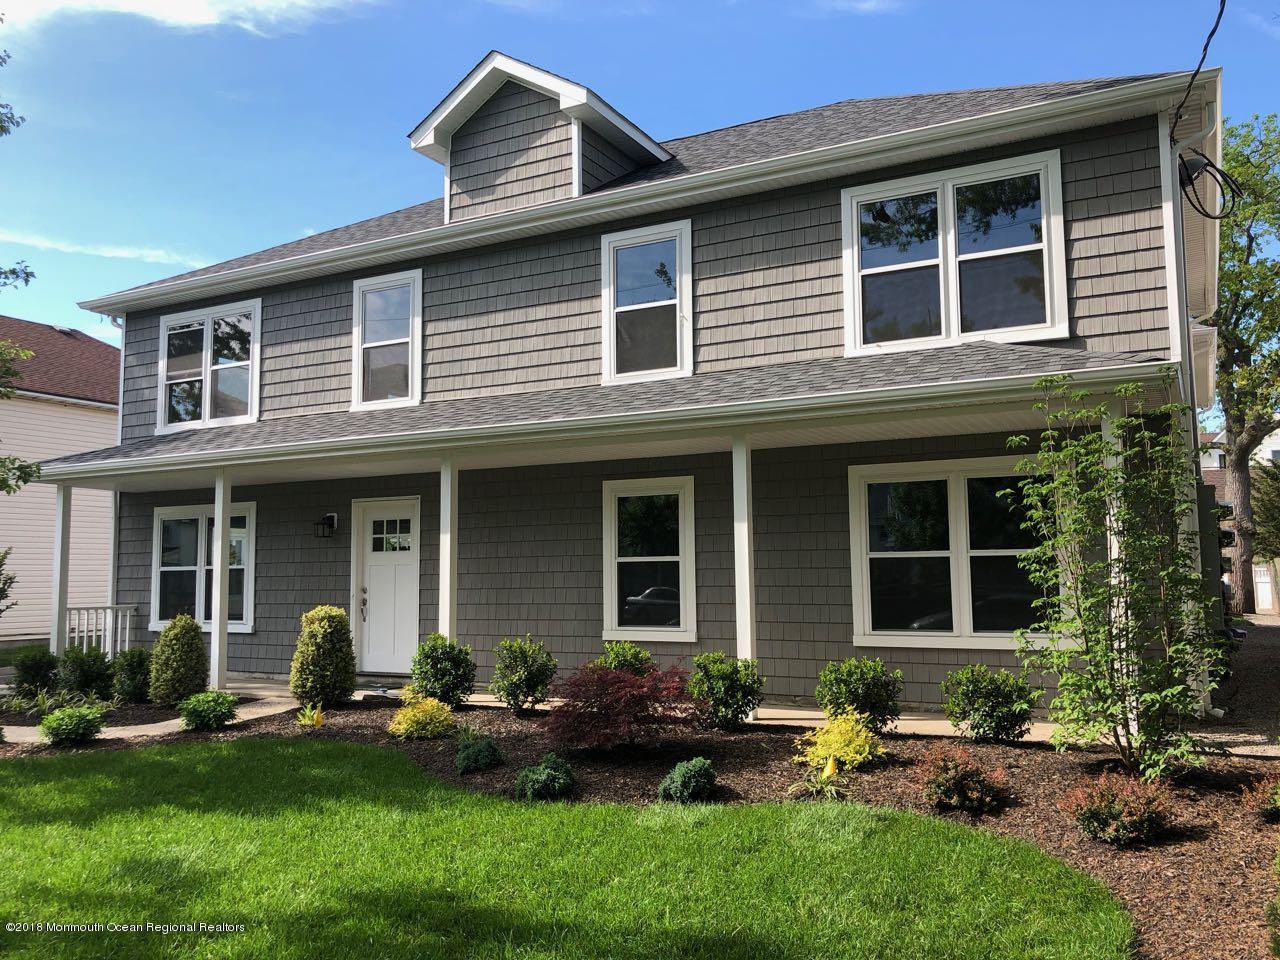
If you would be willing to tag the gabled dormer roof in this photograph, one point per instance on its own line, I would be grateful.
(431, 137)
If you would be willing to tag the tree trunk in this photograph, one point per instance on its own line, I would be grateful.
(1239, 492)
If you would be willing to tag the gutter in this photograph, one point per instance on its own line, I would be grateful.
(69, 401)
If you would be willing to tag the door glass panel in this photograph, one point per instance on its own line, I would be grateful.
(645, 273)
(907, 516)
(649, 593)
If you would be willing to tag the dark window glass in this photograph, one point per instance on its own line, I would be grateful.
(232, 338)
(235, 596)
(649, 593)
(649, 526)
(907, 516)
(998, 214)
(177, 593)
(387, 314)
(184, 351)
(645, 273)
(179, 542)
(901, 305)
(911, 593)
(646, 339)
(995, 522)
(1005, 291)
(386, 372)
(236, 556)
(183, 404)
(898, 231)
(230, 392)
(1002, 595)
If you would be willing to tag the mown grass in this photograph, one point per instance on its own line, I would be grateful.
(325, 849)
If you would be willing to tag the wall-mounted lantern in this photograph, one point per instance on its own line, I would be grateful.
(327, 526)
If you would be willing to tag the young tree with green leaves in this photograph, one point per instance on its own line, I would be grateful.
(1266, 510)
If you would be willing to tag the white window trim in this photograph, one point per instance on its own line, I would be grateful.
(955, 472)
(682, 232)
(358, 289)
(203, 513)
(206, 315)
(1057, 326)
(687, 632)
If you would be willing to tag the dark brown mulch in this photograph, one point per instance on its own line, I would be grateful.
(1198, 894)
(126, 715)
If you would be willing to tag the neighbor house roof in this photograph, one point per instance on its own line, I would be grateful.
(65, 362)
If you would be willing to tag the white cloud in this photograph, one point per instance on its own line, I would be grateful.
(254, 15)
(860, 6)
(145, 254)
(1268, 25)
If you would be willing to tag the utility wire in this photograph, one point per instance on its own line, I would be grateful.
(1204, 55)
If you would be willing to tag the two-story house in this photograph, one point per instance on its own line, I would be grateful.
(747, 390)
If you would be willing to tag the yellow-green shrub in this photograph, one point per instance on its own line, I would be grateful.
(425, 719)
(846, 739)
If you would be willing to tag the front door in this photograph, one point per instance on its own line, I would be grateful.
(385, 538)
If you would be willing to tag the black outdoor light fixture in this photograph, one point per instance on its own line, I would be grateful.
(327, 525)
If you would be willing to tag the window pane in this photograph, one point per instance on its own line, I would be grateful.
(184, 401)
(179, 542)
(185, 351)
(911, 593)
(386, 372)
(232, 338)
(646, 339)
(995, 522)
(907, 516)
(649, 594)
(230, 392)
(645, 273)
(999, 214)
(235, 595)
(649, 526)
(387, 313)
(236, 558)
(1002, 594)
(898, 231)
(901, 305)
(177, 593)
(999, 292)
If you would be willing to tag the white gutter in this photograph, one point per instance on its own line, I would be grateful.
(69, 401)
(951, 136)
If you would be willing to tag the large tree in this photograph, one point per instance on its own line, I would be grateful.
(1248, 322)
(19, 273)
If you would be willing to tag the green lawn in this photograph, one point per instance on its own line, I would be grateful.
(325, 849)
(10, 652)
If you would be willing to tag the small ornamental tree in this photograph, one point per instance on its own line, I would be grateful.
(1124, 620)
(602, 708)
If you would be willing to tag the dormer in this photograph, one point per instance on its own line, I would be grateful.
(511, 135)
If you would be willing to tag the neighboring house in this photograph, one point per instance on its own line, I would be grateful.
(65, 403)
(746, 391)
(1212, 458)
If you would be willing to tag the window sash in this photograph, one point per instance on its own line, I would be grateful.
(203, 320)
(611, 246)
(412, 279)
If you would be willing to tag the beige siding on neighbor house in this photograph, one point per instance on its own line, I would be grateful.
(37, 430)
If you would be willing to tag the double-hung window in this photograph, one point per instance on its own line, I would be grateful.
(209, 367)
(647, 303)
(649, 560)
(975, 253)
(386, 366)
(182, 565)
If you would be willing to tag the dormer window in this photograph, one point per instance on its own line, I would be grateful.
(647, 303)
(208, 367)
(386, 368)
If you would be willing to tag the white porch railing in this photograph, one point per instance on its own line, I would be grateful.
(104, 628)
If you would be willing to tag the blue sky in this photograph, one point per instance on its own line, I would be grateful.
(166, 134)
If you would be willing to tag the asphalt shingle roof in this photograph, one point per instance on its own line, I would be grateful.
(65, 362)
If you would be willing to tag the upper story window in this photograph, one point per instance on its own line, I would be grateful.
(647, 303)
(386, 366)
(209, 366)
(974, 253)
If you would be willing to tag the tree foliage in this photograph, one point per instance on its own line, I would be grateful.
(1266, 510)
(19, 273)
(14, 471)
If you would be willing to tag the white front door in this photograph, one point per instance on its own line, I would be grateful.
(385, 540)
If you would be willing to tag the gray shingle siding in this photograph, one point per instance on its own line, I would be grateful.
(602, 162)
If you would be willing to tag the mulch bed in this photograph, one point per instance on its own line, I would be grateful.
(1198, 894)
(126, 715)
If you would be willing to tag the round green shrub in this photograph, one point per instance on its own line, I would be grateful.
(324, 664)
(522, 673)
(71, 725)
(132, 669)
(986, 704)
(477, 754)
(727, 690)
(689, 781)
(549, 779)
(179, 662)
(861, 685)
(209, 710)
(85, 671)
(444, 670)
(34, 671)
(625, 655)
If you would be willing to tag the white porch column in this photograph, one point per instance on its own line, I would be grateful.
(220, 599)
(58, 585)
(447, 604)
(744, 567)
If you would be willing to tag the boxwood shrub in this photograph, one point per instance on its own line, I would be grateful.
(34, 671)
(522, 673)
(477, 753)
(132, 669)
(690, 781)
(179, 662)
(443, 669)
(549, 779)
(985, 704)
(625, 655)
(861, 685)
(726, 690)
(85, 671)
(323, 671)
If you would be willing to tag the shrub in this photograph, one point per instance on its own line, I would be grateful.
(179, 663)
(443, 669)
(478, 753)
(845, 738)
(71, 725)
(132, 669)
(85, 671)
(952, 780)
(689, 781)
(522, 673)
(549, 779)
(601, 708)
(424, 720)
(324, 664)
(311, 716)
(35, 670)
(861, 685)
(988, 704)
(1119, 810)
(726, 690)
(625, 655)
(209, 710)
